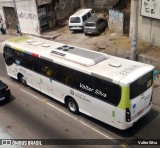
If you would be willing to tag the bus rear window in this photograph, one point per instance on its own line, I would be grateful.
(90, 24)
(141, 85)
(75, 20)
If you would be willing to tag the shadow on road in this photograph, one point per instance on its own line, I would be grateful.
(131, 132)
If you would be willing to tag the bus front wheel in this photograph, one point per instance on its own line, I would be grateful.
(72, 106)
(22, 79)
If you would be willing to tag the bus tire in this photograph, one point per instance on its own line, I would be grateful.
(23, 80)
(72, 106)
(99, 32)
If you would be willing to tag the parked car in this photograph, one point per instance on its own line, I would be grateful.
(4, 92)
(77, 20)
(94, 25)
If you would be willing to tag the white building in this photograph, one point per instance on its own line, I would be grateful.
(148, 20)
(35, 16)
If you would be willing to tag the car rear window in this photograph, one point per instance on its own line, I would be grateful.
(90, 24)
(75, 20)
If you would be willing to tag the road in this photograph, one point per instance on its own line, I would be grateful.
(33, 115)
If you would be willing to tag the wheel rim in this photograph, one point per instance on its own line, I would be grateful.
(99, 32)
(23, 80)
(72, 106)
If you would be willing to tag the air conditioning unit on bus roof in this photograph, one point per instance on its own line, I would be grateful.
(36, 43)
(79, 55)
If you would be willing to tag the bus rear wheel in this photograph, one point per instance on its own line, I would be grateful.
(72, 106)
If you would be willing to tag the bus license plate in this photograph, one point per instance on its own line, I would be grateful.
(2, 98)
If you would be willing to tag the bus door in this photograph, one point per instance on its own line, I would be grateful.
(28, 66)
(8, 55)
(46, 85)
(33, 79)
(46, 79)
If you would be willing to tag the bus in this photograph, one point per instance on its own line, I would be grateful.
(113, 90)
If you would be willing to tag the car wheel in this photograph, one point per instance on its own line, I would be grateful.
(99, 32)
(72, 106)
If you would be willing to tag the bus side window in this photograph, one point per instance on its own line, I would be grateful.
(108, 92)
(32, 62)
(63, 75)
(19, 58)
(47, 68)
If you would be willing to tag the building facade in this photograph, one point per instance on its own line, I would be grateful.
(148, 20)
(35, 16)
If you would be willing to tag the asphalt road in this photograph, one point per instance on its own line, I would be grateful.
(33, 115)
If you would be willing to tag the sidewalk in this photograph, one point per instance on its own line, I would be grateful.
(108, 42)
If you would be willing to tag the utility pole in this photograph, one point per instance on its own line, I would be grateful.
(18, 24)
(135, 29)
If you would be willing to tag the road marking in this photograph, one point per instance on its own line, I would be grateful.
(51, 105)
(31, 94)
(97, 131)
(82, 122)
(62, 111)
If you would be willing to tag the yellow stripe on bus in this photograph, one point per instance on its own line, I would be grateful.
(19, 49)
(19, 39)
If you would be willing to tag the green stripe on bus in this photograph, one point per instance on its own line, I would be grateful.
(113, 114)
(19, 39)
(125, 98)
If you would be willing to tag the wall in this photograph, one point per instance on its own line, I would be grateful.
(148, 28)
(116, 20)
(99, 4)
(27, 15)
(28, 18)
(5, 3)
(64, 8)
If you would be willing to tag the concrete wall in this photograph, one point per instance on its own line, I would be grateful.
(28, 17)
(116, 20)
(148, 28)
(8, 3)
(99, 4)
(64, 8)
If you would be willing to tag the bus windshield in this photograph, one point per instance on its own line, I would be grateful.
(141, 85)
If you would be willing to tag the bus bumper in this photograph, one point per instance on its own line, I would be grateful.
(130, 124)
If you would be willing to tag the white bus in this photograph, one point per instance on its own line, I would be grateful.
(113, 90)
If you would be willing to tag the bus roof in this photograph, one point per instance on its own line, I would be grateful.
(80, 12)
(98, 64)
